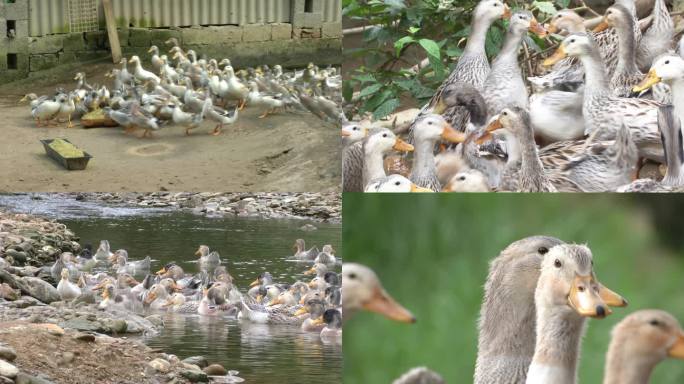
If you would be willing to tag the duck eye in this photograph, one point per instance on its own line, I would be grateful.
(505, 113)
(397, 183)
(462, 178)
(384, 135)
(654, 323)
(429, 122)
(352, 276)
(543, 250)
(557, 263)
(496, 5)
(667, 61)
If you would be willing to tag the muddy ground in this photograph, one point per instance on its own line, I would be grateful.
(285, 152)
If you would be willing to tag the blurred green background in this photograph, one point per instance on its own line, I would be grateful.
(431, 251)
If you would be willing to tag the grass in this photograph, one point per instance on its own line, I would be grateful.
(432, 252)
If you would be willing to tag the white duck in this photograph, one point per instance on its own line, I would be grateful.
(66, 289)
(142, 74)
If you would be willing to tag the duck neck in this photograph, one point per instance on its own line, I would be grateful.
(512, 147)
(626, 47)
(559, 335)
(478, 35)
(677, 87)
(373, 167)
(424, 158)
(509, 50)
(596, 80)
(531, 167)
(624, 368)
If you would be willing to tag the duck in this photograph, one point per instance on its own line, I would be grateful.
(208, 260)
(257, 313)
(472, 67)
(315, 309)
(529, 176)
(138, 267)
(556, 115)
(469, 180)
(67, 108)
(639, 342)
(235, 88)
(258, 286)
(179, 304)
(221, 117)
(604, 112)
(141, 74)
(670, 127)
(504, 85)
(394, 184)
(567, 293)
(332, 318)
(374, 147)
(326, 256)
(156, 297)
(285, 298)
(271, 103)
(66, 289)
(626, 74)
(46, 111)
(188, 120)
(206, 306)
(34, 100)
(362, 290)
(171, 270)
(657, 39)
(156, 61)
(352, 156)
(505, 349)
(318, 269)
(427, 131)
(301, 253)
(103, 253)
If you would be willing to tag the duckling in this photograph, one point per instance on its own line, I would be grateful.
(639, 342)
(333, 325)
(301, 253)
(66, 289)
(362, 290)
(470, 180)
(319, 269)
(326, 256)
(567, 293)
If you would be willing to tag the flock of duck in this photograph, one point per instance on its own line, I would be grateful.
(612, 99)
(539, 293)
(313, 305)
(186, 91)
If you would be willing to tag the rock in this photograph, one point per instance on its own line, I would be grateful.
(215, 370)
(7, 293)
(81, 324)
(6, 380)
(160, 365)
(39, 289)
(195, 376)
(156, 320)
(87, 337)
(199, 361)
(18, 256)
(68, 357)
(119, 326)
(191, 367)
(7, 353)
(9, 370)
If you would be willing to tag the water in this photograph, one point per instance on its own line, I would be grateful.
(262, 353)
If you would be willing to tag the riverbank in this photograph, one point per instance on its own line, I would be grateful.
(45, 340)
(322, 207)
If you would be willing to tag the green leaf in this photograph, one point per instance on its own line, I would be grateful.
(370, 90)
(413, 30)
(430, 47)
(347, 91)
(364, 78)
(453, 51)
(376, 100)
(563, 3)
(544, 7)
(401, 43)
(386, 108)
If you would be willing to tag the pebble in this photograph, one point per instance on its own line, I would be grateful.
(215, 370)
(68, 357)
(160, 365)
(87, 337)
(7, 353)
(8, 370)
(195, 376)
(199, 361)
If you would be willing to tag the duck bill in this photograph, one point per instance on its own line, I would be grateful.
(452, 135)
(23, 99)
(651, 79)
(402, 146)
(585, 300)
(603, 25)
(345, 134)
(198, 253)
(612, 299)
(259, 299)
(301, 311)
(493, 126)
(537, 28)
(385, 305)
(440, 107)
(484, 138)
(150, 50)
(552, 28)
(310, 271)
(417, 189)
(150, 297)
(167, 304)
(507, 12)
(161, 271)
(254, 283)
(318, 321)
(677, 349)
(556, 57)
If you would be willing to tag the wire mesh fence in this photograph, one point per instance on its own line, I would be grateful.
(83, 15)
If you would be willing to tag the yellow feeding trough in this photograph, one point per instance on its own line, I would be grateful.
(67, 154)
(97, 118)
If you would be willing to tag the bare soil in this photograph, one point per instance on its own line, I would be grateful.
(286, 152)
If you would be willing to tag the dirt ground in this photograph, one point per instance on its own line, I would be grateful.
(42, 350)
(285, 152)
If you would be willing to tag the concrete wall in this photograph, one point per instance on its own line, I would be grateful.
(307, 38)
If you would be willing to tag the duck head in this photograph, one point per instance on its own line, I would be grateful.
(490, 10)
(575, 45)
(667, 68)
(522, 21)
(361, 290)
(566, 20)
(384, 141)
(433, 127)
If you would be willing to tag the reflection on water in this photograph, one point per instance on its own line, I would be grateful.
(262, 353)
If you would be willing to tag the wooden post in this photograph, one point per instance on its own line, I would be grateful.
(111, 31)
